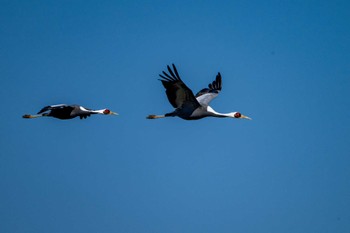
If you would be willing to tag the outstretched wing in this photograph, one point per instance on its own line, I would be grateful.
(51, 107)
(178, 93)
(206, 95)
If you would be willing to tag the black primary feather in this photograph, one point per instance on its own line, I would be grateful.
(214, 87)
(176, 90)
(44, 109)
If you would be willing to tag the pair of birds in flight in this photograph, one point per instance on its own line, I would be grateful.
(187, 105)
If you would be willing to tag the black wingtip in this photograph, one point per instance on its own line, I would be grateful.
(171, 76)
(44, 109)
(170, 71)
(216, 84)
(165, 76)
(169, 68)
(219, 81)
(176, 73)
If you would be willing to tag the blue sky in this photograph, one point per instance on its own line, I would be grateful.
(283, 63)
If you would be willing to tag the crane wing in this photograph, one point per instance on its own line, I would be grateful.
(178, 93)
(206, 95)
(51, 107)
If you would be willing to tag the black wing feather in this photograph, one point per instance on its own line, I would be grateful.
(176, 90)
(214, 87)
(46, 108)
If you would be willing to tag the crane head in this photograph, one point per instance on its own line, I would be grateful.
(108, 112)
(239, 115)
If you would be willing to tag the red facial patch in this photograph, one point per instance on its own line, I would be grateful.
(238, 115)
(106, 111)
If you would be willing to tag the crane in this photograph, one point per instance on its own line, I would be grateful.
(187, 105)
(64, 112)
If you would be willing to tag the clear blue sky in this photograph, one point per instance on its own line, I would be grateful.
(286, 64)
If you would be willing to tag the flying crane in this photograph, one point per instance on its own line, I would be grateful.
(64, 112)
(187, 105)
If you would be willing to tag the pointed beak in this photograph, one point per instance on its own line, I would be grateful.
(245, 117)
(113, 113)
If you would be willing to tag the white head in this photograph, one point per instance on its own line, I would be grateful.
(105, 111)
(238, 115)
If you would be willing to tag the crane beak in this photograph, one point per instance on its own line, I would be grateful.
(245, 117)
(113, 113)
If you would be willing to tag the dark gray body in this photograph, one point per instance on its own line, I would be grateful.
(65, 112)
(198, 113)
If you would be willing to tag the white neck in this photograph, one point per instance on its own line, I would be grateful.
(212, 112)
(92, 111)
(97, 111)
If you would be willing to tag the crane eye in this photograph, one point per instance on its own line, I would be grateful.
(106, 111)
(238, 115)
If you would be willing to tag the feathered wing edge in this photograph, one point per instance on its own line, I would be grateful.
(206, 95)
(172, 77)
(214, 87)
(176, 90)
(50, 107)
